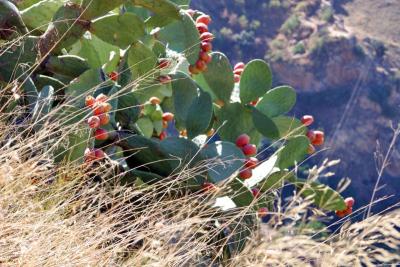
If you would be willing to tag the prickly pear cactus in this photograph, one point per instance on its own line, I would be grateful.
(140, 77)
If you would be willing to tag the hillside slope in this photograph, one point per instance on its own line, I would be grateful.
(343, 59)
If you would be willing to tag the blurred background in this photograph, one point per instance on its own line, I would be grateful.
(343, 59)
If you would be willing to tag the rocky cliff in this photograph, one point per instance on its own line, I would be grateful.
(343, 59)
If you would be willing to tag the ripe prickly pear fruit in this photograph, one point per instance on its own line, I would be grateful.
(89, 155)
(206, 46)
(163, 135)
(220, 102)
(249, 150)
(206, 36)
(262, 212)
(207, 186)
(203, 19)
(311, 136)
(251, 163)
(349, 202)
(319, 138)
(201, 27)
(238, 71)
(256, 192)
(104, 119)
(101, 134)
(245, 174)
(113, 76)
(205, 57)
(94, 122)
(201, 65)
(253, 103)
(168, 116)
(90, 101)
(163, 63)
(165, 79)
(210, 132)
(307, 120)
(165, 124)
(236, 78)
(193, 69)
(183, 133)
(101, 98)
(242, 140)
(154, 100)
(239, 65)
(99, 154)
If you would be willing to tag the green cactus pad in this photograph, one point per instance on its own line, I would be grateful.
(323, 196)
(162, 7)
(199, 116)
(293, 152)
(233, 120)
(225, 159)
(141, 60)
(43, 106)
(68, 65)
(39, 15)
(182, 36)
(128, 110)
(184, 91)
(95, 51)
(265, 125)
(72, 151)
(145, 127)
(255, 80)
(277, 101)
(218, 78)
(289, 126)
(97, 8)
(43, 80)
(242, 195)
(182, 153)
(275, 180)
(118, 30)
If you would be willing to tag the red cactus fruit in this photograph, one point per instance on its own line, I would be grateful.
(211, 132)
(242, 140)
(201, 27)
(113, 76)
(251, 163)
(163, 63)
(101, 98)
(307, 120)
(165, 79)
(89, 155)
(206, 46)
(245, 174)
(249, 150)
(165, 124)
(106, 107)
(99, 154)
(203, 19)
(311, 135)
(239, 65)
(236, 78)
(104, 119)
(206, 36)
(99, 109)
(207, 186)
(219, 102)
(238, 71)
(163, 135)
(154, 100)
(94, 122)
(262, 212)
(253, 103)
(201, 65)
(90, 101)
(205, 57)
(168, 116)
(256, 192)
(319, 138)
(349, 202)
(101, 134)
(193, 69)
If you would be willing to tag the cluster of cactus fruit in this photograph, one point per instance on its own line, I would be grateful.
(155, 98)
